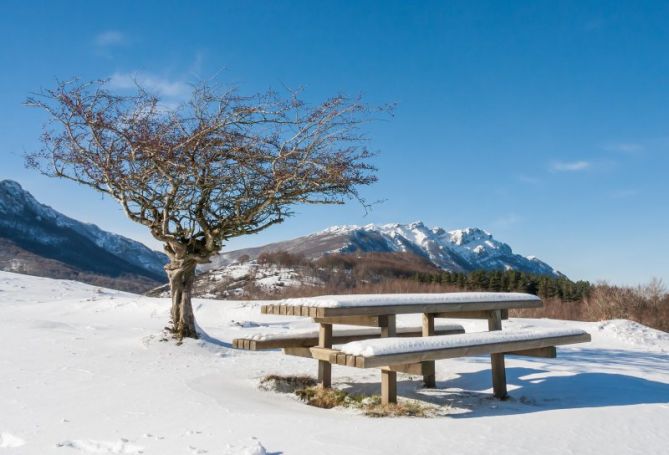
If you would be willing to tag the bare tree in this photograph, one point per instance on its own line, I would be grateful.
(216, 167)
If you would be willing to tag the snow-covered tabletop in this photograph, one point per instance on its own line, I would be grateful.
(387, 304)
(363, 300)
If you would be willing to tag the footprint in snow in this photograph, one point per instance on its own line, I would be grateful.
(244, 324)
(122, 446)
(252, 447)
(9, 441)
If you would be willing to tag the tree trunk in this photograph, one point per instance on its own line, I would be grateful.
(182, 275)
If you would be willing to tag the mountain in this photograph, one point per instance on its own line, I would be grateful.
(342, 258)
(37, 240)
(461, 250)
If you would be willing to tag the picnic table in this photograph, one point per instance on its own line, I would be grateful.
(409, 353)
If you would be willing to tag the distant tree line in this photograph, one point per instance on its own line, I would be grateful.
(510, 281)
(376, 267)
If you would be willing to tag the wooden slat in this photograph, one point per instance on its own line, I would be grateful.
(299, 352)
(367, 321)
(305, 342)
(467, 351)
(510, 347)
(471, 308)
(323, 353)
(463, 315)
(548, 352)
(412, 368)
(428, 308)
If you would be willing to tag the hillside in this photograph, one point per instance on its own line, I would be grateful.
(343, 258)
(37, 240)
(460, 250)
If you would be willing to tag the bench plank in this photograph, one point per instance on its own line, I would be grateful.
(471, 308)
(337, 338)
(467, 351)
(366, 321)
(548, 352)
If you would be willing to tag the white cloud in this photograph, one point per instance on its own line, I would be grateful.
(110, 38)
(174, 89)
(570, 166)
(629, 148)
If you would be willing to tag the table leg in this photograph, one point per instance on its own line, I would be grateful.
(324, 367)
(429, 378)
(497, 360)
(388, 378)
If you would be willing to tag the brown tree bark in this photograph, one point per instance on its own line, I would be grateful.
(181, 274)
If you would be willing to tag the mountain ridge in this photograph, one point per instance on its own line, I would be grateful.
(40, 240)
(459, 250)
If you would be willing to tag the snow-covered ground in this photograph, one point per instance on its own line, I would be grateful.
(83, 370)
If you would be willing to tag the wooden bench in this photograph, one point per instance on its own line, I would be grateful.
(309, 338)
(395, 354)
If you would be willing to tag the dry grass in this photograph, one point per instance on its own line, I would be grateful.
(647, 304)
(370, 406)
(324, 398)
(286, 384)
(307, 390)
(401, 409)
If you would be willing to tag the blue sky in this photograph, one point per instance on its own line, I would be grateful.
(545, 123)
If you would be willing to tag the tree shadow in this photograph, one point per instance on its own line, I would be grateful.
(206, 338)
(542, 388)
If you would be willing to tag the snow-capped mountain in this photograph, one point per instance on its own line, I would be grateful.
(37, 239)
(460, 250)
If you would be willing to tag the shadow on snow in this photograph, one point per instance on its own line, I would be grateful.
(536, 389)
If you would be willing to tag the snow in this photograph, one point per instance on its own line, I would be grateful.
(341, 331)
(358, 300)
(8, 440)
(84, 371)
(371, 348)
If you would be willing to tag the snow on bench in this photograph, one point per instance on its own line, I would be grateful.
(309, 337)
(358, 300)
(387, 346)
(389, 351)
(411, 355)
(327, 306)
